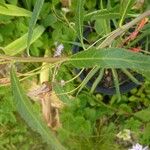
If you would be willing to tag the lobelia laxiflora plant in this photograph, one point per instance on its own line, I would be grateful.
(100, 55)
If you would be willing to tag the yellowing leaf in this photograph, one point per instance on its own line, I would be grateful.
(20, 44)
(12, 10)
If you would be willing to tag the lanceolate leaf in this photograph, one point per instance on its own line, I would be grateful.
(111, 58)
(125, 8)
(97, 80)
(35, 15)
(20, 44)
(103, 14)
(80, 19)
(32, 118)
(11, 10)
(88, 77)
(116, 82)
(28, 4)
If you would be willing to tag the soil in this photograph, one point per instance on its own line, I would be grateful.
(108, 81)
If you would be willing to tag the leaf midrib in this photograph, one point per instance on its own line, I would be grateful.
(106, 58)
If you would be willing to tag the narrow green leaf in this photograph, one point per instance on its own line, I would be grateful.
(97, 81)
(116, 83)
(35, 15)
(125, 8)
(79, 20)
(111, 58)
(103, 13)
(20, 44)
(32, 118)
(12, 10)
(131, 77)
(28, 4)
(107, 14)
(88, 77)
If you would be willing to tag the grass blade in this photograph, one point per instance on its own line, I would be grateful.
(35, 15)
(27, 112)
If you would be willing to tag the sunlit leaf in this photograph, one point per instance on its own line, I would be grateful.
(12, 10)
(20, 44)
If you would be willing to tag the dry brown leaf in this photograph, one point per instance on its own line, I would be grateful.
(138, 4)
(56, 102)
(4, 80)
(50, 104)
(47, 109)
(66, 3)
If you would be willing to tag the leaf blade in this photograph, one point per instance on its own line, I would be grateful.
(116, 83)
(111, 58)
(87, 78)
(125, 7)
(12, 10)
(31, 117)
(79, 20)
(20, 44)
(34, 18)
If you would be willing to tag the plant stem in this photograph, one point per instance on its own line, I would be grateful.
(33, 59)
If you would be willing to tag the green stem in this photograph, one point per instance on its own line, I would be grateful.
(33, 59)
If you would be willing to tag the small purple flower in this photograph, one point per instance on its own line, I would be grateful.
(59, 49)
(137, 146)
